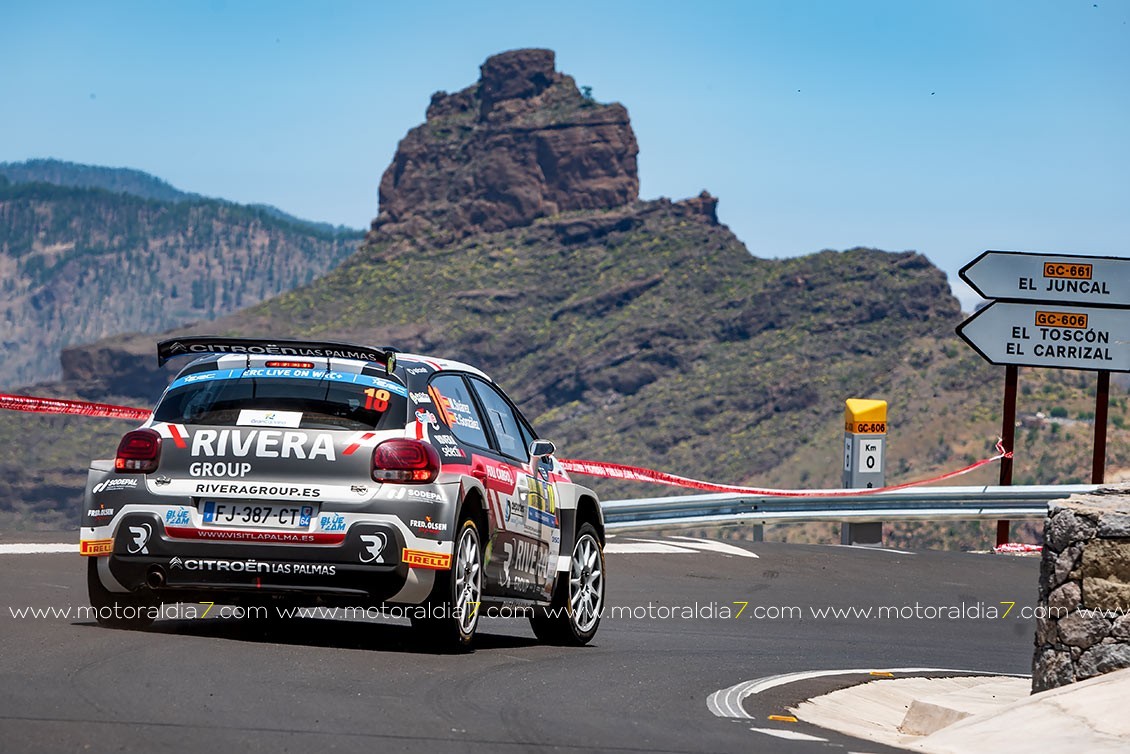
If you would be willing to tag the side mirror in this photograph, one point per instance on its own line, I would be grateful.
(542, 448)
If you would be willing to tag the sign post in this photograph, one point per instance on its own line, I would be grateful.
(865, 434)
(1057, 311)
(1008, 440)
(1102, 401)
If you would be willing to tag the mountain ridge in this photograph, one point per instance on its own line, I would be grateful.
(122, 180)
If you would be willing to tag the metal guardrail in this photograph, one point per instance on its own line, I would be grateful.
(925, 503)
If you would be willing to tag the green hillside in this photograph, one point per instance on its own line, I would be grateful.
(661, 343)
(664, 343)
(79, 264)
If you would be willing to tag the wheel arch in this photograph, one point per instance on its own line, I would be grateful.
(588, 511)
(473, 502)
(580, 506)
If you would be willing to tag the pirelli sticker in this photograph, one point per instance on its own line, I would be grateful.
(865, 428)
(423, 559)
(92, 547)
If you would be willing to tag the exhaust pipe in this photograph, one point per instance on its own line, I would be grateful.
(155, 578)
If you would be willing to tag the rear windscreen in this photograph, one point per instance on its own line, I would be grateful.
(275, 397)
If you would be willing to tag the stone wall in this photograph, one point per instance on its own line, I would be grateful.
(1084, 589)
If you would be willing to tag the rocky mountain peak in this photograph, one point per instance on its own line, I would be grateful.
(518, 74)
(521, 143)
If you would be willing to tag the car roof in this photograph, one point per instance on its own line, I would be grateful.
(440, 365)
(215, 351)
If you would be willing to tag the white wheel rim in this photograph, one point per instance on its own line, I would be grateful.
(586, 584)
(468, 581)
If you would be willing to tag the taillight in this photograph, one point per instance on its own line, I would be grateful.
(405, 462)
(139, 452)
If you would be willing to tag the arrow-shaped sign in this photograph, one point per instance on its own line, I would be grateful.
(1020, 276)
(1050, 335)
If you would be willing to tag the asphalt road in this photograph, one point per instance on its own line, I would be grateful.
(215, 683)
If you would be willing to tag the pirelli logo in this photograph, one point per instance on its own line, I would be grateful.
(865, 428)
(96, 547)
(422, 559)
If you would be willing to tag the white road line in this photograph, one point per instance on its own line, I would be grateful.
(22, 549)
(638, 548)
(713, 546)
(791, 735)
(876, 548)
(728, 702)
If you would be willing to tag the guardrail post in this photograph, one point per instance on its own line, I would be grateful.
(865, 432)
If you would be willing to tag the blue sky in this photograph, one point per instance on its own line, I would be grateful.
(945, 127)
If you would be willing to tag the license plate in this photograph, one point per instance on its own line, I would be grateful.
(262, 515)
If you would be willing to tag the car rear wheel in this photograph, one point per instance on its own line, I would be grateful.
(119, 609)
(457, 594)
(574, 615)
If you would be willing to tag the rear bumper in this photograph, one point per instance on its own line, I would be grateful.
(368, 563)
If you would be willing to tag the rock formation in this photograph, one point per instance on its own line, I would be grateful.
(520, 144)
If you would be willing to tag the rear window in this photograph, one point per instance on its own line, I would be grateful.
(278, 398)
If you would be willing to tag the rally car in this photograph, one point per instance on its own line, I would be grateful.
(285, 473)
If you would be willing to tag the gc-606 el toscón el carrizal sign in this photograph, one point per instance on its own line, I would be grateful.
(1050, 335)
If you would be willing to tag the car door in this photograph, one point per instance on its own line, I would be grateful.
(513, 544)
(537, 497)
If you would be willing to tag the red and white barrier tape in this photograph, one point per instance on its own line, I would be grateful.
(1015, 548)
(636, 474)
(78, 408)
(586, 468)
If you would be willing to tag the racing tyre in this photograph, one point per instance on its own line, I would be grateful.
(574, 615)
(119, 609)
(457, 595)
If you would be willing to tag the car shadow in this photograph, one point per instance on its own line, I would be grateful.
(309, 632)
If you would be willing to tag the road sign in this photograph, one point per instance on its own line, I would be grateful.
(1019, 276)
(865, 429)
(1051, 335)
(865, 426)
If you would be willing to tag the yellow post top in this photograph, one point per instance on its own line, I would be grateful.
(863, 416)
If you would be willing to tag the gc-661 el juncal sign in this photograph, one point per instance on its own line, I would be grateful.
(1017, 276)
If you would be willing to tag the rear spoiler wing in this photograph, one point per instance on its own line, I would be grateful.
(168, 349)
